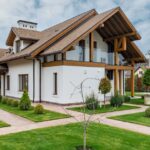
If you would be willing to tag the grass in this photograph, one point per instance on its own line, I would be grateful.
(48, 115)
(137, 101)
(137, 118)
(67, 137)
(128, 93)
(3, 124)
(105, 109)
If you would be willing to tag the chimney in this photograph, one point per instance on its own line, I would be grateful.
(27, 25)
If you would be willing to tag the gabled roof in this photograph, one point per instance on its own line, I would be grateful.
(61, 37)
(23, 34)
(50, 35)
(3, 52)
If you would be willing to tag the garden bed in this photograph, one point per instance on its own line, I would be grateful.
(29, 114)
(107, 108)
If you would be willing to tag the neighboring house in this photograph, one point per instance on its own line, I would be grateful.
(52, 63)
(139, 72)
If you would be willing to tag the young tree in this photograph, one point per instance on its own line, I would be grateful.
(146, 78)
(25, 102)
(105, 87)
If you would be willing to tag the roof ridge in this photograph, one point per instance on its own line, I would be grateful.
(87, 12)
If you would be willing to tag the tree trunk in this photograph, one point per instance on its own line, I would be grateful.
(104, 101)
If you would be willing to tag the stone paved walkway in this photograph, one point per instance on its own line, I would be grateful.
(19, 124)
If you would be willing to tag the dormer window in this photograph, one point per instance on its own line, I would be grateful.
(17, 46)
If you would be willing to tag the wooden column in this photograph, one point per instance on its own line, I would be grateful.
(116, 80)
(91, 47)
(132, 80)
(120, 82)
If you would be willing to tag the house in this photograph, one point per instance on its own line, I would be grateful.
(139, 72)
(52, 63)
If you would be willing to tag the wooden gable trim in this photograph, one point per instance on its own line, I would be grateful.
(100, 23)
(49, 42)
(10, 39)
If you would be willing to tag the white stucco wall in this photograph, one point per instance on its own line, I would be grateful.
(69, 79)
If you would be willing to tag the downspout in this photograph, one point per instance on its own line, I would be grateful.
(39, 80)
(4, 85)
(33, 80)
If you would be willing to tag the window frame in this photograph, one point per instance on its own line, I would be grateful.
(8, 82)
(23, 82)
(55, 83)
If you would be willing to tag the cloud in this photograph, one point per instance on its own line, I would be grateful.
(50, 12)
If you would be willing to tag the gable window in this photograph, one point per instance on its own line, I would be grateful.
(55, 83)
(8, 82)
(82, 52)
(17, 46)
(23, 82)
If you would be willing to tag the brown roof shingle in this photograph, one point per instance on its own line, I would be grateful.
(48, 34)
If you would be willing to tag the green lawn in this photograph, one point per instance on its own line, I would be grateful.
(105, 109)
(138, 118)
(128, 93)
(137, 101)
(3, 124)
(100, 137)
(48, 115)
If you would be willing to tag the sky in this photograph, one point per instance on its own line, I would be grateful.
(49, 12)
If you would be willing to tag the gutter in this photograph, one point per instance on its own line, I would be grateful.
(33, 80)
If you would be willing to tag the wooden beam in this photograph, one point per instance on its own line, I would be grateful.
(119, 36)
(111, 67)
(73, 63)
(116, 81)
(132, 80)
(91, 46)
(120, 44)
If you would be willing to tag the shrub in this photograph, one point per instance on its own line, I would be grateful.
(14, 103)
(1, 98)
(91, 102)
(117, 100)
(127, 98)
(147, 112)
(25, 102)
(4, 100)
(38, 109)
(105, 87)
(8, 102)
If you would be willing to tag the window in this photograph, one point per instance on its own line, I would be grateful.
(95, 44)
(110, 74)
(82, 53)
(23, 82)
(17, 46)
(8, 82)
(55, 84)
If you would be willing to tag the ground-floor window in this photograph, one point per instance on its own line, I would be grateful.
(55, 83)
(8, 82)
(23, 82)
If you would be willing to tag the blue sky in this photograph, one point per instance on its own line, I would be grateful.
(50, 12)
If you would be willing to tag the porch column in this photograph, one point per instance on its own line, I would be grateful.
(132, 80)
(120, 82)
(116, 73)
(91, 46)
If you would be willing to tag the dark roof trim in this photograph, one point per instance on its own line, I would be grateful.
(27, 22)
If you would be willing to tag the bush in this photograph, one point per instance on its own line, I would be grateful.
(9, 101)
(25, 102)
(91, 102)
(14, 103)
(1, 98)
(147, 112)
(39, 109)
(127, 98)
(4, 100)
(117, 100)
